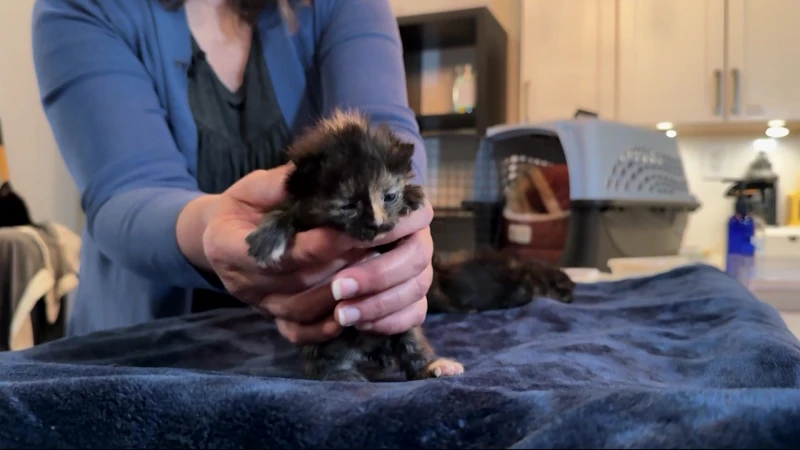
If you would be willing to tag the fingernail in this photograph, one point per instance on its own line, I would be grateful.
(364, 326)
(348, 316)
(344, 288)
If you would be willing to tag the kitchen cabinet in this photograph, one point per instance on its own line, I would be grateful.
(707, 61)
(694, 62)
(567, 58)
(762, 37)
(671, 61)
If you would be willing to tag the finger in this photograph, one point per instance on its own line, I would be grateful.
(400, 321)
(305, 308)
(290, 284)
(416, 221)
(243, 272)
(229, 249)
(262, 189)
(314, 259)
(386, 303)
(318, 246)
(299, 334)
(406, 261)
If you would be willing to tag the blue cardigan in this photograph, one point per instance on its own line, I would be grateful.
(113, 84)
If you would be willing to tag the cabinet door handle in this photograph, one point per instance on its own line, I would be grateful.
(735, 110)
(718, 90)
(525, 100)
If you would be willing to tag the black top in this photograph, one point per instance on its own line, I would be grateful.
(237, 132)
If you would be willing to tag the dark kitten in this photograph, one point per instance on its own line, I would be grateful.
(356, 180)
(491, 280)
(13, 210)
(347, 178)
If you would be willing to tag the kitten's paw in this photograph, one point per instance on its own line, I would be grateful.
(442, 367)
(344, 375)
(561, 286)
(267, 243)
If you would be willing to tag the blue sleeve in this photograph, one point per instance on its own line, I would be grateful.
(112, 133)
(361, 63)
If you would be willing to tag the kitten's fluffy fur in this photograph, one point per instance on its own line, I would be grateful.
(490, 280)
(356, 180)
(353, 179)
(347, 177)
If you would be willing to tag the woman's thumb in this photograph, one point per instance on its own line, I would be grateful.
(262, 189)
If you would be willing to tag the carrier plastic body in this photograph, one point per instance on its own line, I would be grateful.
(628, 191)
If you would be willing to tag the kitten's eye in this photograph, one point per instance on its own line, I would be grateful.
(390, 197)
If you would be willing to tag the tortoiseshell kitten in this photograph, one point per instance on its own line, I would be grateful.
(493, 279)
(356, 180)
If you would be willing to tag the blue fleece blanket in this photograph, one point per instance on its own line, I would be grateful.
(683, 359)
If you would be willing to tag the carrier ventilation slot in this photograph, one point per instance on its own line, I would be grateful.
(643, 170)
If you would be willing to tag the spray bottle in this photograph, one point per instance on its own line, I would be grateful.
(740, 257)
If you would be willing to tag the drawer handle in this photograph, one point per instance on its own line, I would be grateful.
(718, 86)
(735, 104)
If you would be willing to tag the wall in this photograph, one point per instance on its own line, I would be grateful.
(707, 227)
(35, 166)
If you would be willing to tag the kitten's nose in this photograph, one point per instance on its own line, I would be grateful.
(368, 233)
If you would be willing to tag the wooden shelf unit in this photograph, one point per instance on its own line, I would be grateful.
(475, 29)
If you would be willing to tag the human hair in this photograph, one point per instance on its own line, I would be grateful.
(248, 10)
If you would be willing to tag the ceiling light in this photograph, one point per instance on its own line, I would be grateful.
(776, 123)
(664, 126)
(777, 132)
(671, 133)
(765, 145)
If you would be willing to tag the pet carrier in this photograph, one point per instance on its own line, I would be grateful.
(581, 191)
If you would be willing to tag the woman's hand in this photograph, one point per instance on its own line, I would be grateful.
(381, 293)
(388, 291)
(295, 292)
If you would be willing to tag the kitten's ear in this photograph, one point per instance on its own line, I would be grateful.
(400, 156)
(311, 141)
(400, 153)
(5, 189)
(383, 131)
(389, 138)
(302, 180)
(405, 150)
